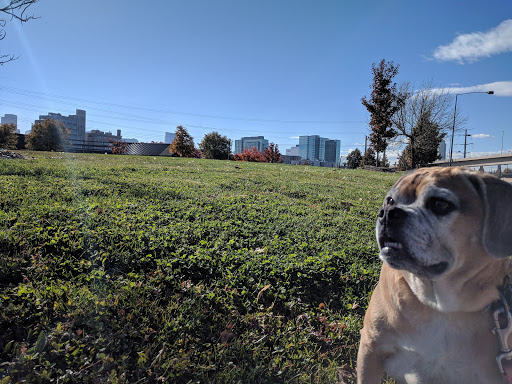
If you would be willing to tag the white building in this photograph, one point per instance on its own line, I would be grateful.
(294, 151)
(76, 125)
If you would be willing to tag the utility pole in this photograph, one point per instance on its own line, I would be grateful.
(465, 141)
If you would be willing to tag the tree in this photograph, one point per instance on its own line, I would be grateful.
(183, 143)
(383, 104)
(272, 154)
(252, 155)
(354, 159)
(8, 138)
(118, 147)
(369, 157)
(48, 135)
(15, 9)
(215, 146)
(424, 118)
(404, 160)
(384, 162)
(424, 144)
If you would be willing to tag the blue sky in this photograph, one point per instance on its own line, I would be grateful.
(275, 68)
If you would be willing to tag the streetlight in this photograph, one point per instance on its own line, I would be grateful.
(455, 114)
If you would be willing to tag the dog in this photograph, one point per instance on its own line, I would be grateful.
(445, 237)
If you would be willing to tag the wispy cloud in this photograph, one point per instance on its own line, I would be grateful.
(481, 136)
(472, 46)
(500, 88)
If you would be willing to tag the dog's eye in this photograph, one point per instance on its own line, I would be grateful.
(440, 206)
(390, 201)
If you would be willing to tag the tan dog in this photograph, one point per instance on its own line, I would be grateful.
(444, 235)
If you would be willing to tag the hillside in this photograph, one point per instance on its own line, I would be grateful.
(125, 269)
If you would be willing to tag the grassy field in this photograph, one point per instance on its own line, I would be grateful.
(119, 269)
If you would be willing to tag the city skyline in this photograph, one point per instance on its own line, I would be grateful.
(281, 70)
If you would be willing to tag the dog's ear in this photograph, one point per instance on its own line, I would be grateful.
(496, 197)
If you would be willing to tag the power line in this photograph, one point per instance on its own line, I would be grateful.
(43, 95)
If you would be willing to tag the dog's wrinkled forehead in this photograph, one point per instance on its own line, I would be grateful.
(412, 185)
(409, 187)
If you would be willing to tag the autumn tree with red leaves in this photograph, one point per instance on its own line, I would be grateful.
(183, 144)
(252, 155)
(118, 147)
(272, 154)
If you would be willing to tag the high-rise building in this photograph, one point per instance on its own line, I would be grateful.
(169, 137)
(9, 119)
(76, 125)
(309, 147)
(258, 142)
(332, 151)
(320, 150)
(442, 149)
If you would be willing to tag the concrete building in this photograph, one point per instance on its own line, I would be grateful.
(75, 123)
(294, 151)
(97, 141)
(258, 142)
(318, 150)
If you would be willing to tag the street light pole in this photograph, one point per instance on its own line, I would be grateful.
(455, 115)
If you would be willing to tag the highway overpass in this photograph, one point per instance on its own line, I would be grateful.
(477, 161)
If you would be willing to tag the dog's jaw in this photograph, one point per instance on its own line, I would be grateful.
(398, 255)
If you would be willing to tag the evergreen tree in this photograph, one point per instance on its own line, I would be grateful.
(215, 146)
(369, 157)
(8, 138)
(424, 143)
(354, 159)
(384, 162)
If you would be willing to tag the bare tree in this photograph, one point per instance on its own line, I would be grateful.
(423, 108)
(15, 9)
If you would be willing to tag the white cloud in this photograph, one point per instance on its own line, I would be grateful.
(472, 46)
(481, 136)
(500, 88)
(294, 137)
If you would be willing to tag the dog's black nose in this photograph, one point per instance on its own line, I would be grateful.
(391, 212)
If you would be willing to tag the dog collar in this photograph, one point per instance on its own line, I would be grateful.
(503, 329)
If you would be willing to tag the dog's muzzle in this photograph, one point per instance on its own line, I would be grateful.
(394, 249)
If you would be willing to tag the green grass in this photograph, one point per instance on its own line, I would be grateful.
(123, 269)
